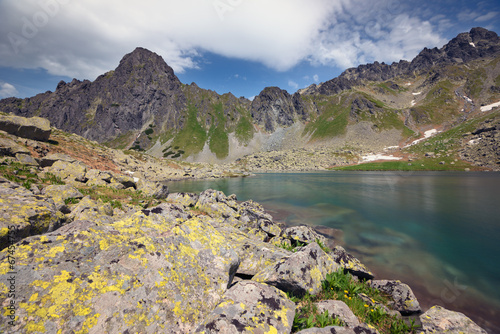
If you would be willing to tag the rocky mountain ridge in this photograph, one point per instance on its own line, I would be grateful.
(143, 105)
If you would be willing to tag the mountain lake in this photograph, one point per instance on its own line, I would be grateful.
(439, 232)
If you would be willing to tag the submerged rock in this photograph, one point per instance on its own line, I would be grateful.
(440, 320)
(251, 307)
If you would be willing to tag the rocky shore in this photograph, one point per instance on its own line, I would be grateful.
(93, 244)
(303, 159)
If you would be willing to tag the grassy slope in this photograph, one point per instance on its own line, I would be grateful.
(219, 140)
(192, 137)
(446, 143)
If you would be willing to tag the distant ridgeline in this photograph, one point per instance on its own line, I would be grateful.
(142, 105)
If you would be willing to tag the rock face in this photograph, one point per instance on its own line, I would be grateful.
(441, 320)
(35, 128)
(251, 307)
(483, 145)
(274, 108)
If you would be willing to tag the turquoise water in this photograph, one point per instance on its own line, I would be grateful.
(438, 232)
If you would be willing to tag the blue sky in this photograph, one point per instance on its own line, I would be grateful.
(238, 46)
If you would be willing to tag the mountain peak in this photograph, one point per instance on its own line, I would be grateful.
(142, 60)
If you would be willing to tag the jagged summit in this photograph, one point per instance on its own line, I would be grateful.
(466, 47)
(143, 61)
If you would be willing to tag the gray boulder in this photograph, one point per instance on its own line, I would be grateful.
(440, 320)
(61, 193)
(403, 298)
(251, 307)
(255, 254)
(96, 211)
(50, 159)
(143, 274)
(23, 213)
(69, 172)
(168, 210)
(98, 178)
(35, 128)
(153, 189)
(26, 159)
(300, 273)
(254, 215)
(350, 263)
(10, 148)
(127, 181)
(216, 204)
(338, 309)
(304, 234)
(186, 199)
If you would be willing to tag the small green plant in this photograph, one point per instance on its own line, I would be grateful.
(286, 246)
(53, 179)
(323, 246)
(365, 302)
(71, 200)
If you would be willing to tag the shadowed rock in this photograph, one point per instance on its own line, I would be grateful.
(23, 213)
(35, 128)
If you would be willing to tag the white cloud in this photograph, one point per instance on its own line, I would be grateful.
(84, 39)
(316, 78)
(293, 84)
(486, 17)
(7, 90)
(367, 31)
